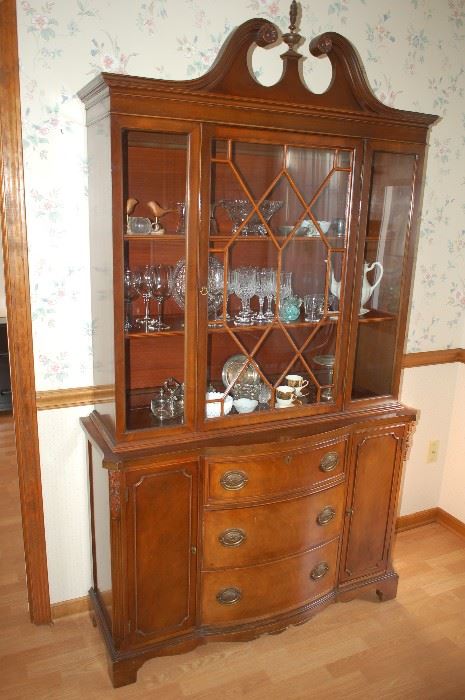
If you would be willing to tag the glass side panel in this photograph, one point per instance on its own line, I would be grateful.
(277, 236)
(154, 278)
(389, 219)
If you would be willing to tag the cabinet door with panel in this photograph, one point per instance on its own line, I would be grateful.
(373, 488)
(161, 551)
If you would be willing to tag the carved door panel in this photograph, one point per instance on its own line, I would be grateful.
(371, 503)
(161, 552)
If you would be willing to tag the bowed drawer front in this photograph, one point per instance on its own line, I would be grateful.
(236, 595)
(248, 535)
(257, 477)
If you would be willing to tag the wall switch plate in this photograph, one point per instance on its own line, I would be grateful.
(433, 450)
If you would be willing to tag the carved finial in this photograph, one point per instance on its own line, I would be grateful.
(292, 38)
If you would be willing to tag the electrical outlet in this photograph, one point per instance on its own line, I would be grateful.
(433, 450)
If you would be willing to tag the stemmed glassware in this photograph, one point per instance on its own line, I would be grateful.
(153, 282)
(244, 280)
(162, 280)
(143, 283)
(130, 293)
(270, 294)
(261, 287)
(215, 288)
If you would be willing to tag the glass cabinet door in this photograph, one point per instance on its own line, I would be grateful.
(389, 220)
(277, 256)
(154, 278)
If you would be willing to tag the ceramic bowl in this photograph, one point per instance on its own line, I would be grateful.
(324, 225)
(245, 405)
(214, 409)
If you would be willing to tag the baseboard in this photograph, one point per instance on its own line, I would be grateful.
(451, 522)
(70, 607)
(431, 515)
(423, 517)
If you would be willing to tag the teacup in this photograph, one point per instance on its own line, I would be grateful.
(297, 383)
(285, 393)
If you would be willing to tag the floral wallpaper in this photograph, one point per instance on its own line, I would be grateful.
(413, 51)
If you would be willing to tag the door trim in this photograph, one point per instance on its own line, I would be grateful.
(14, 240)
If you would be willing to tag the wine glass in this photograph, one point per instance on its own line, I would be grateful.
(260, 290)
(143, 282)
(270, 293)
(244, 288)
(162, 277)
(130, 293)
(215, 288)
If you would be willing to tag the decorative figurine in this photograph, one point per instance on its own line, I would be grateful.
(158, 212)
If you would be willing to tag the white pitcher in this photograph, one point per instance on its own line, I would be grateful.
(367, 288)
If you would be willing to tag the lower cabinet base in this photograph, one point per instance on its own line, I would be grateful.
(384, 586)
(123, 665)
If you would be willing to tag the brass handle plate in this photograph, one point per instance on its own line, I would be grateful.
(329, 461)
(233, 537)
(326, 515)
(319, 571)
(203, 291)
(229, 596)
(234, 480)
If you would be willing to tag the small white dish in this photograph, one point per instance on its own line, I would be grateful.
(245, 405)
(324, 225)
(213, 410)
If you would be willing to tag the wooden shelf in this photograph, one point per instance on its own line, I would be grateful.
(176, 324)
(153, 237)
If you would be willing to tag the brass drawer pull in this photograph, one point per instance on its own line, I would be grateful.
(319, 571)
(234, 480)
(329, 461)
(233, 537)
(229, 596)
(326, 515)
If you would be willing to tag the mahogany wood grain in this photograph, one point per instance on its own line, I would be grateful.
(162, 546)
(276, 473)
(371, 499)
(272, 530)
(268, 588)
(15, 252)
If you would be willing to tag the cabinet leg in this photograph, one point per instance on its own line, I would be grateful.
(387, 590)
(123, 672)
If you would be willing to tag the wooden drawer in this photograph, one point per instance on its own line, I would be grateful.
(255, 534)
(256, 477)
(236, 595)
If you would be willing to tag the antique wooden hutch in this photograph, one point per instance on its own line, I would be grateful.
(234, 228)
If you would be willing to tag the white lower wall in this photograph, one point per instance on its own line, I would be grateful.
(66, 503)
(452, 495)
(431, 391)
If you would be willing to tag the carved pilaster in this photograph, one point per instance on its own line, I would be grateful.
(115, 494)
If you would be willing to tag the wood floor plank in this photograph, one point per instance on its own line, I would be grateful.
(410, 648)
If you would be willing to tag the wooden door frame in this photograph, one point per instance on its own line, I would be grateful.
(14, 240)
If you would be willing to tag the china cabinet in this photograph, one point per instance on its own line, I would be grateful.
(251, 250)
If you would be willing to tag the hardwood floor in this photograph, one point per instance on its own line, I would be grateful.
(411, 648)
